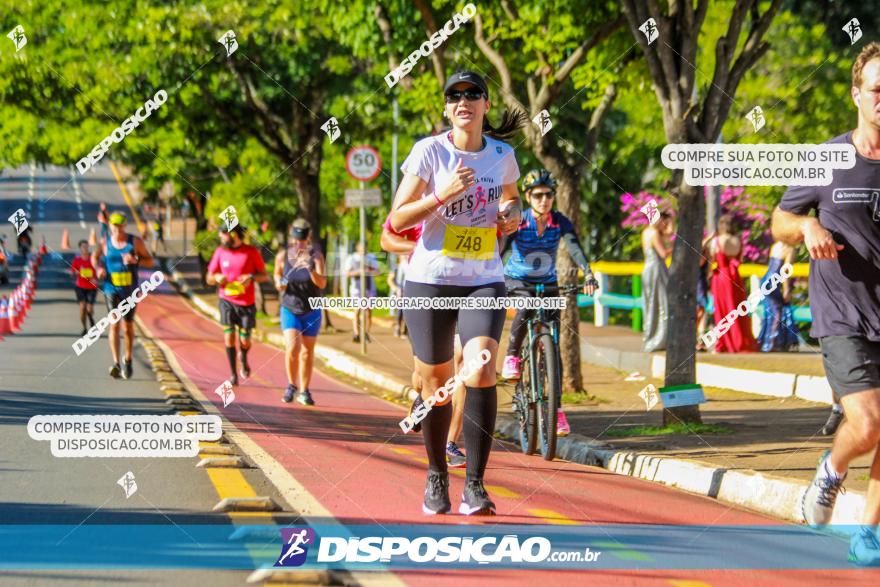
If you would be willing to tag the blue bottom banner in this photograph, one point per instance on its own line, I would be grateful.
(439, 546)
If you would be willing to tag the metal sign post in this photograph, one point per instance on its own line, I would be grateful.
(363, 164)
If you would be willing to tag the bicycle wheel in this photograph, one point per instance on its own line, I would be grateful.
(548, 391)
(525, 412)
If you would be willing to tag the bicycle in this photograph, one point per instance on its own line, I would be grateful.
(538, 392)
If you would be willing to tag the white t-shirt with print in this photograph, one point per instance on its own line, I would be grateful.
(433, 159)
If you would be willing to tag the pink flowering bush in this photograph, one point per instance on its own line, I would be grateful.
(749, 217)
(631, 205)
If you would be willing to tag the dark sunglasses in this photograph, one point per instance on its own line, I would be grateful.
(543, 195)
(456, 96)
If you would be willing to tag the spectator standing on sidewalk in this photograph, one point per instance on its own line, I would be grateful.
(353, 272)
(843, 240)
(728, 290)
(655, 276)
(778, 330)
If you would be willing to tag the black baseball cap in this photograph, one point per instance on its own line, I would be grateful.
(300, 229)
(237, 228)
(467, 77)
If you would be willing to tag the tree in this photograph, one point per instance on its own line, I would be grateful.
(690, 118)
(540, 49)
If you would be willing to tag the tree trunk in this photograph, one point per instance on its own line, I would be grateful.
(682, 293)
(568, 202)
(309, 194)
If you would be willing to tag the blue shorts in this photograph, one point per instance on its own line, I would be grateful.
(309, 324)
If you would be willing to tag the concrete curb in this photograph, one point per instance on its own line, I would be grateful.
(775, 496)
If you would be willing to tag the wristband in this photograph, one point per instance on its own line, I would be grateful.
(439, 201)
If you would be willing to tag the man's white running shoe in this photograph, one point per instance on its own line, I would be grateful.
(817, 505)
(864, 548)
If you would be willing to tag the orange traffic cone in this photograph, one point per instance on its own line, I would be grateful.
(93, 239)
(4, 316)
(13, 317)
(65, 240)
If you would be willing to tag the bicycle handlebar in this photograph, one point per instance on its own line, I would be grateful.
(553, 289)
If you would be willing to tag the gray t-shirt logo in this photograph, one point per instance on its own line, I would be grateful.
(858, 196)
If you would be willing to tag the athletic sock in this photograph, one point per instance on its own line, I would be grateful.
(230, 354)
(92, 319)
(244, 361)
(480, 407)
(435, 429)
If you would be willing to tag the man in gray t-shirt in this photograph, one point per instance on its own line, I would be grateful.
(843, 240)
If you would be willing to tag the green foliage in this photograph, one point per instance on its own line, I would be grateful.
(88, 65)
(678, 428)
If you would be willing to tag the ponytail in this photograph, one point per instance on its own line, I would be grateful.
(511, 122)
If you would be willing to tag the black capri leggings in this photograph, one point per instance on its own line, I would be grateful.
(432, 331)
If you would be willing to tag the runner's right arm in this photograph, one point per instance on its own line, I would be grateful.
(97, 263)
(793, 229)
(410, 208)
(212, 277)
(394, 243)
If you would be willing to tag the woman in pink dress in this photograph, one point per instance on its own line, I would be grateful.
(728, 290)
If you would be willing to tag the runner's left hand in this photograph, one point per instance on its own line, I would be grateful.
(245, 279)
(509, 222)
(591, 285)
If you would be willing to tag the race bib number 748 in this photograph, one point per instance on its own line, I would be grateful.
(465, 242)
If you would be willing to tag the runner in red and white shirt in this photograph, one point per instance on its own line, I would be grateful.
(234, 268)
(86, 285)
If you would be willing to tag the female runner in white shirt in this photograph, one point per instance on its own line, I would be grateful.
(461, 185)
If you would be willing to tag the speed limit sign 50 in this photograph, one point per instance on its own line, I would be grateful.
(363, 163)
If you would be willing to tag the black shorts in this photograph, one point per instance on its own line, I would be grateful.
(234, 315)
(511, 283)
(85, 295)
(852, 363)
(113, 301)
(432, 332)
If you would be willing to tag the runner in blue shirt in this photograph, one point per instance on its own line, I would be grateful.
(533, 260)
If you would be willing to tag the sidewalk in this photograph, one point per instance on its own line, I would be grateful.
(763, 459)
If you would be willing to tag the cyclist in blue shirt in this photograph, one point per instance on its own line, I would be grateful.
(533, 260)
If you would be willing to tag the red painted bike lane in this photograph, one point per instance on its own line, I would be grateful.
(350, 454)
